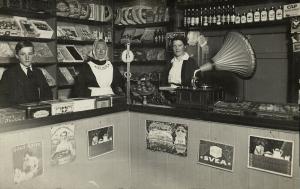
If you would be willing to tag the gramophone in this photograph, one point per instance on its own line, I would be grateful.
(236, 56)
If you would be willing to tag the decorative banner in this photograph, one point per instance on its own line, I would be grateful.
(101, 141)
(27, 161)
(216, 155)
(271, 155)
(167, 137)
(62, 144)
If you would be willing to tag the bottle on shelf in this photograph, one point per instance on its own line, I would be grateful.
(228, 14)
(196, 17)
(214, 19)
(264, 15)
(223, 17)
(192, 14)
(185, 18)
(188, 21)
(232, 15)
(210, 16)
(238, 18)
(155, 37)
(250, 16)
(243, 18)
(219, 13)
(279, 13)
(271, 14)
(205, 19)
(201, 17)
(256, 15)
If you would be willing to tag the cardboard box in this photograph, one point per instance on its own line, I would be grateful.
(291, 10)
(9, 115)
(103, 102)
(60, 107)
(82, 104)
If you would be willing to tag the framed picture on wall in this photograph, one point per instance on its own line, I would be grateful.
(167, 137)
(100, 141)
(271, 155)
(27, 162)
(216, 154)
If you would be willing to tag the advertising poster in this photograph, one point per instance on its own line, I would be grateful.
(27, 161)
(216, 155)
(62, 144)
(271, 155)
(167, 137)
(100, 141)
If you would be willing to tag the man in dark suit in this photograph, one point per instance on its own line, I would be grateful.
(22, 83)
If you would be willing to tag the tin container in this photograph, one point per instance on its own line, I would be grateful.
(82, 104)
(9, 115)
(103, 101)
(60, 107)
(36, 109)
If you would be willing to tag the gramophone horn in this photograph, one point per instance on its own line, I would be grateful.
(236, 55)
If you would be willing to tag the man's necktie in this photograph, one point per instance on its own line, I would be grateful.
(29, 73)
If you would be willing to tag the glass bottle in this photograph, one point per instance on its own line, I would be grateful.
(188, 21)
(223, 17)
(228, 14)
(256, 16)
(192, 18)
(271, 14)
(185, 18)
(264, 15)
(205, 19)
(279, 13)
(232, 17)
(243, 18)
(214, 20)
(250, 16)
(238, 18)
(196, 15)
(210, 16)
(219, 12)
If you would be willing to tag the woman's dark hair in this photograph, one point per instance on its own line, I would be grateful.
(180, 38)
(23, 44)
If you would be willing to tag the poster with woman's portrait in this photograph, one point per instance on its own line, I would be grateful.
(27, 161)
(62, 144)
(271, 155)
(167, 137)
(100, 141)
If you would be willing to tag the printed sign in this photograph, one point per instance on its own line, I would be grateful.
(216, 155)
(167, 137)
(27, 161)
(271, 155)
(101, 141)
(62, 144)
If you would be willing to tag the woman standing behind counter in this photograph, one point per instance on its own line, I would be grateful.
(98, 76)
(181, 68)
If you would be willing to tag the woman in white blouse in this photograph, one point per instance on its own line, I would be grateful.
(181, 68)
(97, 75)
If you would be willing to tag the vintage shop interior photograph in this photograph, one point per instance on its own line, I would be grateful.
(149, 94)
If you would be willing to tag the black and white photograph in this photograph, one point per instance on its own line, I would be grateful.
(27, 162)
(271, 155)
(63, 147)
(151, 94)
(167, 137)
(100, 141)
(216, 155)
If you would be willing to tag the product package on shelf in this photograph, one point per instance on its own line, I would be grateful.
(9, 115)
(27, 28)
(60, 107)
(85, 33)
(82, 104)
(148, 35)
(36, 109)
(42, 28)
(7, 54)
(68, 53)
(103, 101)
(101, 13)
(291, 10)
(65, 77)
(232, 108)
(67, 32)
(50, 80)
(9, 27)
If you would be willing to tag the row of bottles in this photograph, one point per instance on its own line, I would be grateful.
(226, 14)
(159, 36)
(258, 15)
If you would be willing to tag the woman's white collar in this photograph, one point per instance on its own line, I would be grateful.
(181, 58)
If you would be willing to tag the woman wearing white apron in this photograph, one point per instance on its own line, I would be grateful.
(97, 75)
